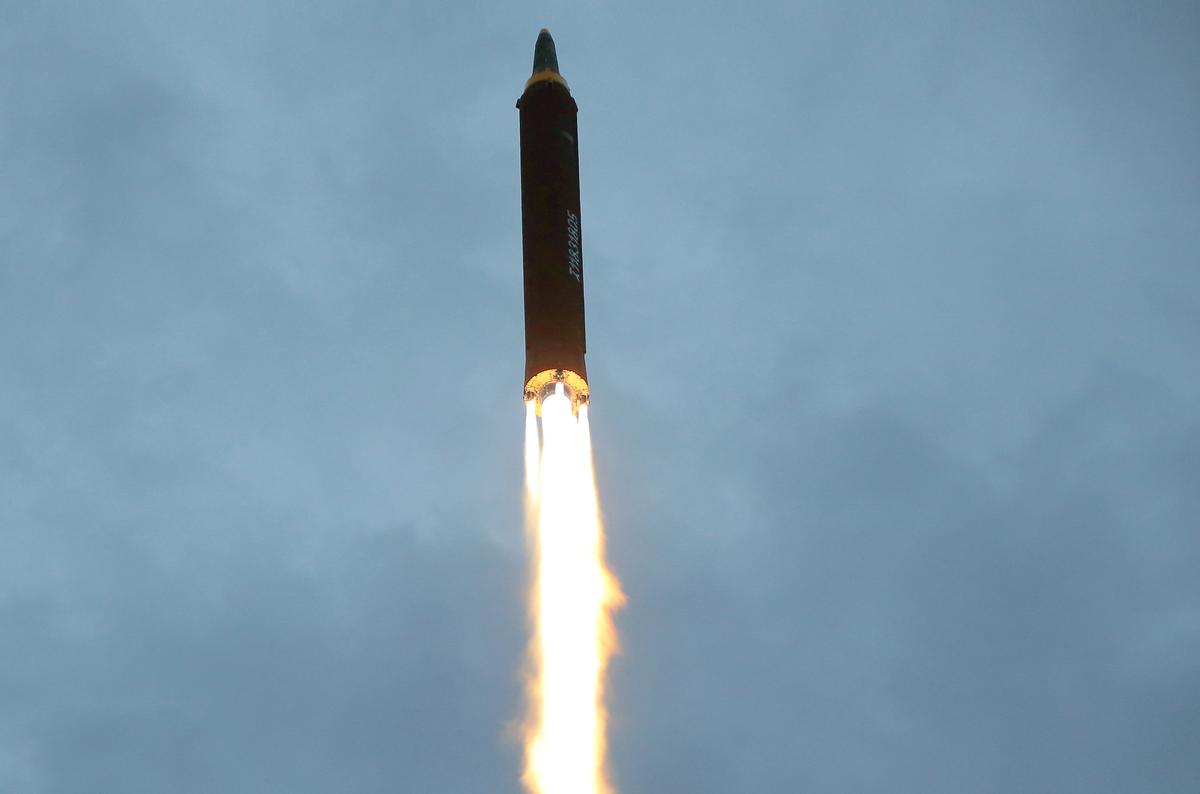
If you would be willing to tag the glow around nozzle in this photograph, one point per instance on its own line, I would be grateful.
(549, 382)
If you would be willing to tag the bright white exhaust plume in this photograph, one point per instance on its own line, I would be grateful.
(572, 598)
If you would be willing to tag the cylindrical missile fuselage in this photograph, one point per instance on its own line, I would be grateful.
(551, 232)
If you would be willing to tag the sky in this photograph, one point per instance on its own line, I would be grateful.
(893, 317)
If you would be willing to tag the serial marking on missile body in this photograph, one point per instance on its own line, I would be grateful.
(552, 234)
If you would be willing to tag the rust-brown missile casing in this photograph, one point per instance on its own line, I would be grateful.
(551, 232)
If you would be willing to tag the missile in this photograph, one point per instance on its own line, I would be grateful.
(551, 235)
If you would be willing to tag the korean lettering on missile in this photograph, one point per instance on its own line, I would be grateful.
(574, 247)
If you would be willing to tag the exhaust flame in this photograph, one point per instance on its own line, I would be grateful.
(573, 595)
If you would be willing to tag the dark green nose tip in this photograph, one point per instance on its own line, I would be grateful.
(544, 56)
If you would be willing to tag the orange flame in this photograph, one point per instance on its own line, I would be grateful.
(572, 599)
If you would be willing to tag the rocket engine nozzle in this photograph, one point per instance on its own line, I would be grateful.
(544, 383)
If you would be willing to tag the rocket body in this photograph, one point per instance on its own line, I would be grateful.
(551, 232)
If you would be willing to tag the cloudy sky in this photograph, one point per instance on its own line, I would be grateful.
(893, 318)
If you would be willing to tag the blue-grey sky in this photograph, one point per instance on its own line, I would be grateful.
(893, 319)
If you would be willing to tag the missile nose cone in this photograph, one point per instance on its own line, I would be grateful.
(545, 59)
